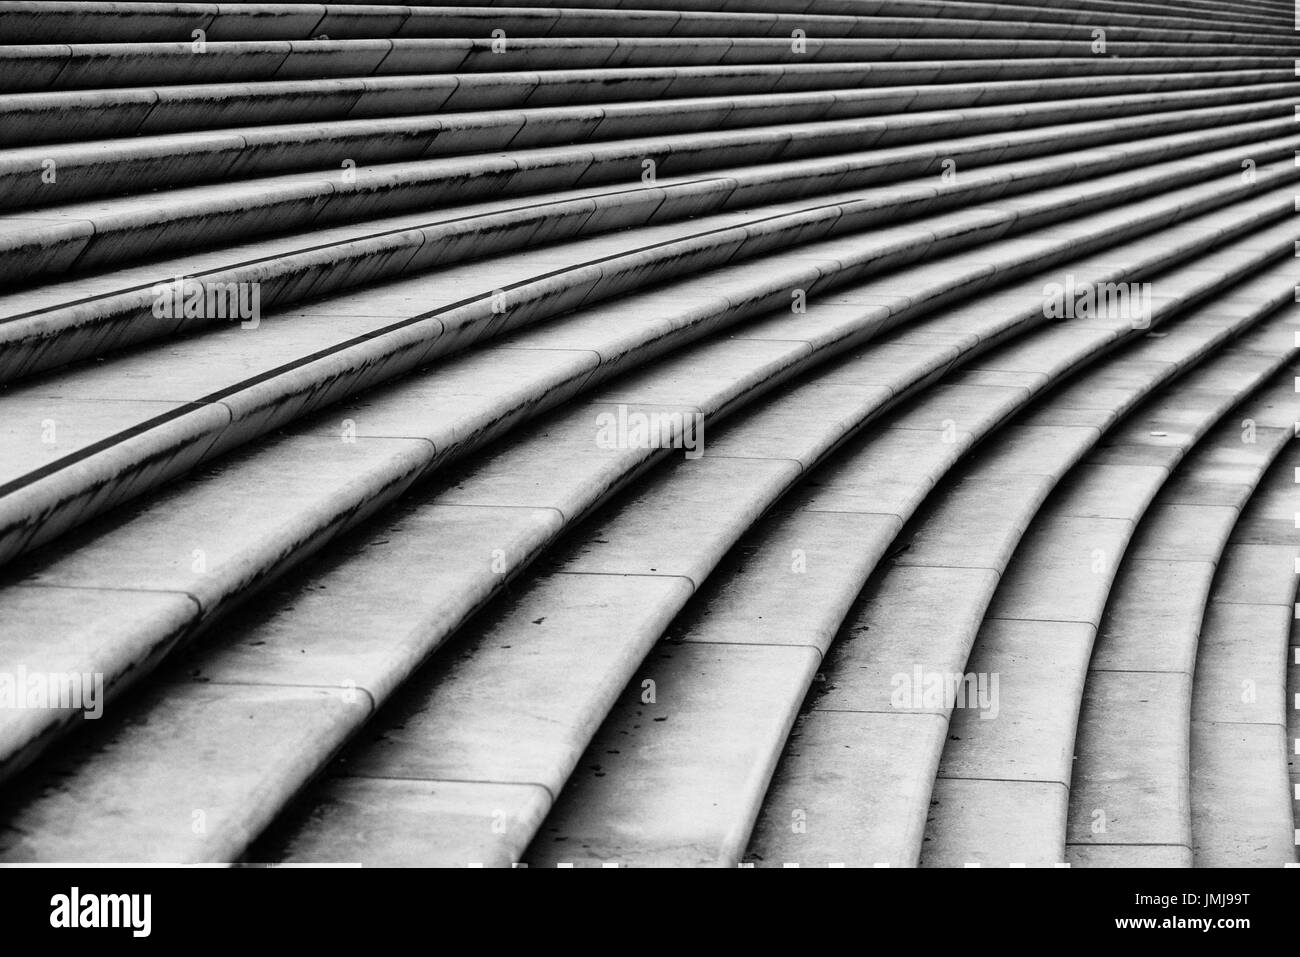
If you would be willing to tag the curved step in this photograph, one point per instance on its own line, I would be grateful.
(1082, 11)
(339, 492)
(1242, 801)
(844, 101)
(729, 666)
(133, 165)
(1002, 786)
(60, 323)
(97, 114)
(374, 479)
(1245, 11)
(561, 725)
(1035, 11)
(1129, 800)
(572, 640)
(86, 236)
(519, 529)
(79, 22)
(42, 504)
(914, 615)
(801, 236)
(98, 65)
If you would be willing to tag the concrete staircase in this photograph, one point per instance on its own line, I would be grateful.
(679, 432)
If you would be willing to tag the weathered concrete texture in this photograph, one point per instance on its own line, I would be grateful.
(1070, 501)
(784, 430)
(205, 548)
(912, 617)
(1044, 450)
(1270, 518)
(1241, 796)
(580, 810)
(1128, 790)
(1131, 775)
(1130, 782)
(805, 821)
(791, 583)
(995, 823)
(965, 402)
(560, 465)
(1103, 396)
(383, 822)
(84, 631)
(39, 430)
(468, 401)
(1256, 574)
(386, 519)
(487, 720)
(1128, 855)
(252, 422)
(1027, 733)
(359, 631)
(1108, 491)
(1240, 662)
(359, 623)
(1063, 570)
(893, 473)
(708, 498)
(977, 523)
(203, 803)
(1153, 616)
(699, 729)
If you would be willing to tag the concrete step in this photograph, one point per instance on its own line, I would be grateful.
(26, 22)
(925, 609)
(436, 732)
(1223, 16)
(1241, 746)
(1003, 786)
(111, 461)
(134, 165)
(498, 499)
(479, 238)
(44, 65)
(107, 113)
(787, 589)
(79, 237)
(62, 322)
(506, 469)
(1244, 11)
(1129, 797)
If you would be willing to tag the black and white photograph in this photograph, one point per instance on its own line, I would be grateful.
(651, 435)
